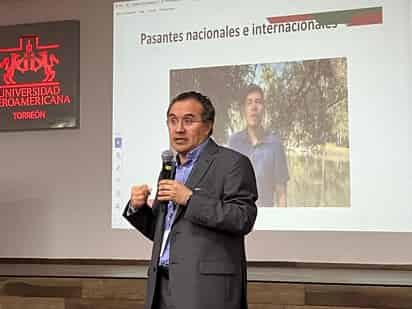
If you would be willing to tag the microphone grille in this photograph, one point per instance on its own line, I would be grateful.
(167, 156)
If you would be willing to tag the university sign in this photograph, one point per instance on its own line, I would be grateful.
(39, 70)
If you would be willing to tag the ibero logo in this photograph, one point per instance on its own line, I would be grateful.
(28, 77)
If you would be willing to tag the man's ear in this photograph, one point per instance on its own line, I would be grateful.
(210, 127)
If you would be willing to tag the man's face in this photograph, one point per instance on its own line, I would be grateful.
(254, 109)
(186, 128)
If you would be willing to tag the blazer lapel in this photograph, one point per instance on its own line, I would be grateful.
(161, 213)
(205, 159)
(156, 207)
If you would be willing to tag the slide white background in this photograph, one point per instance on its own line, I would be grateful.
(378, 58)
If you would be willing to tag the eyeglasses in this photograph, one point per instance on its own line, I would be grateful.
(173, 122)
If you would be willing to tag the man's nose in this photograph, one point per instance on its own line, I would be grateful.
(180, 127)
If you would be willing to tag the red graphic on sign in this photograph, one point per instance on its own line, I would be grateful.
(29, 56)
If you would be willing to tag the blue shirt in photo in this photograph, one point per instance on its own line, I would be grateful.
(269, 162)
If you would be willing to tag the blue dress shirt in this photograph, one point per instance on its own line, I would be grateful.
(181, 175)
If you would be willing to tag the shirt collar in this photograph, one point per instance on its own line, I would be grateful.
(245, 136)
(193, 154)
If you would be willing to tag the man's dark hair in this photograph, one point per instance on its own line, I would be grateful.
(208, 114)
(250, 89)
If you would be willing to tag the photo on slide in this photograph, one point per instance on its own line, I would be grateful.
(290, 119)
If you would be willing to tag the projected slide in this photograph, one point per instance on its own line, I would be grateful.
(309, 92)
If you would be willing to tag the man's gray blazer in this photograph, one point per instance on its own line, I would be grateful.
(207, 254)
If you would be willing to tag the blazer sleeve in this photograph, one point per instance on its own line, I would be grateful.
(143, 220)
(236, 211)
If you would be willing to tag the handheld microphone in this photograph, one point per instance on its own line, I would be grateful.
(167, 172)
(167, 165)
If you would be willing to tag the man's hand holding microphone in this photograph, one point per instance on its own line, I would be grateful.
(168, 190)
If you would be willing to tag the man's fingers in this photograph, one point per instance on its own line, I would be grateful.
(144, 189)
(165, 198)
(165, 193)
(138, 188)
(167, 186)
(139, 195)
(166, 189)
(167, 182)
(164, 186)
(171, 190)
(141, 188)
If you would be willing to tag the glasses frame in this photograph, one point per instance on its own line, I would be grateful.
(187, 122)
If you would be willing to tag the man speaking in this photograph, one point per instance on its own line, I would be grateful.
(199, 218)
